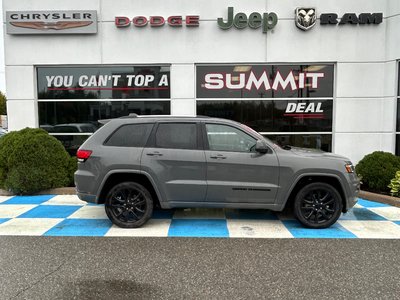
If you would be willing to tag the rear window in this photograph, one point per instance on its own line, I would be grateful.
(176, 136)
(132, 135)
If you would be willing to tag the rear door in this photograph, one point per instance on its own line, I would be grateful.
(175, 159)
(235, 172)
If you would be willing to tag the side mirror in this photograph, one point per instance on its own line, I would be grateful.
(261, 147)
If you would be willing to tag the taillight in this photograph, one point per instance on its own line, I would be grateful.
(83, 155)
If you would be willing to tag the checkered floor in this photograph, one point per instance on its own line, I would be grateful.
(66, 215)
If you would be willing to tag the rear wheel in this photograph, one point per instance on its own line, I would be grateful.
(129, 205)
(318, 205)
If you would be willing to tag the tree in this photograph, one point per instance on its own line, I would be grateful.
(3, 105)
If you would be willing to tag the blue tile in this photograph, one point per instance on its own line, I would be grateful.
(163, 214)
(198, 228)
(2, 220)
(397, 222)
(51, 211)
(28, 199)
(361, 214)
(80, 227)
(250, 214)
(367, 203)
(94, 204)
(336, 231)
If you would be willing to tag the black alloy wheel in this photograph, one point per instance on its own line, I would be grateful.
(129, 205)
(318, 205)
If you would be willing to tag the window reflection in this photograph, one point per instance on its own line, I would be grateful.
(270, 115)
(314, 141)
(83, 116)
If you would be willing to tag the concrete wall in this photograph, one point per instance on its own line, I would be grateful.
(365, 56)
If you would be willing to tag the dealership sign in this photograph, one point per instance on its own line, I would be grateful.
(157, 21)
(266, 21)
(52, 22)
(104, 82)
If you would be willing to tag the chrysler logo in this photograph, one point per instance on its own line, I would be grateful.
(305, 18)
(60, 25)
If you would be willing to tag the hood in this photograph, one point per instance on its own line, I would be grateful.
(307, 152)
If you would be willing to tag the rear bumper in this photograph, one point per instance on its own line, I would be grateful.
(87, 197)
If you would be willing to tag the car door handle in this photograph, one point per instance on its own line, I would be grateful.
(218, 156)
(155, 153)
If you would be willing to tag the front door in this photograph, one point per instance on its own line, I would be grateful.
(235, 172)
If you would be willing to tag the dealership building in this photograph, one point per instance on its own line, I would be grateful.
(316, 74)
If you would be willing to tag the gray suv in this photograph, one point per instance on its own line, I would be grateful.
(135, 163)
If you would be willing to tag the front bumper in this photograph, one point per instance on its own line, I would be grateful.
(354, 186)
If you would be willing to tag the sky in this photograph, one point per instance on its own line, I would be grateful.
(2, 67)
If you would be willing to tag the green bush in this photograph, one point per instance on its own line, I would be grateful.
(395, 185)
(31, 161)
(377, 169)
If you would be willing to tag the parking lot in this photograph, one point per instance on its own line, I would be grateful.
(66, 215)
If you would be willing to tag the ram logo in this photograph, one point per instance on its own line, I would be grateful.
(305, 18)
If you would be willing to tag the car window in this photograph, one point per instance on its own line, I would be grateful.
(227, 138)
(176, 136)
(132, 135)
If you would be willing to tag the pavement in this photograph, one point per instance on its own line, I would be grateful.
(66, 215)
(198, 268)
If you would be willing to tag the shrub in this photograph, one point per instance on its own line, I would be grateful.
(395, 185)
(31, 161)
(377, 169)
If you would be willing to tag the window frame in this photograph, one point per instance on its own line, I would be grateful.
(151, 142)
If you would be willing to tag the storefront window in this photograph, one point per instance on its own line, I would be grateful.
(67, 103)
(295, 99)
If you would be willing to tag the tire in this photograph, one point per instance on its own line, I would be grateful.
(318, 205)
(129, 205)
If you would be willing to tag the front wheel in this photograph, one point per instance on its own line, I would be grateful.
(129, 205)
(318, 205)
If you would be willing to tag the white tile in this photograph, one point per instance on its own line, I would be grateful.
(21, 114)
(184, 82)
(12, 211)
(257, 229)
(25, 226)
(358, 206)
(17, 74)
(65, 200)
(199, 213)
(4, 198)
(360, 79)
(373, 229)
(366, 143)
(389, 213)
(372, 114)
(89, 212)
(154, 227)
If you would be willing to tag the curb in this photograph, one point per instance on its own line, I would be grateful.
(56, 191)
(386, 199)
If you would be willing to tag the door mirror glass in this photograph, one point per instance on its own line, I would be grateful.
(261, 147)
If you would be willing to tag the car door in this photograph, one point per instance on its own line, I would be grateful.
(236, 173)
(175, 159)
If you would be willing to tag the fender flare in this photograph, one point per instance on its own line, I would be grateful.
(139, 172)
